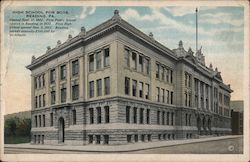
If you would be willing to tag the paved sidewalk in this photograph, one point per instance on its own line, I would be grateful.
(119, 148)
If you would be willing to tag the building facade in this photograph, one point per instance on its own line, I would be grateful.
(237, 117)
(116, 85)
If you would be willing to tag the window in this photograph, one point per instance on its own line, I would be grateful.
(134, 87)
(136, 138)
(149, 137)
(99, 87)
(38, 139)
(91, 89)
(75, 68)
(106, 114)
(63, 72)
(140, 63)
(98, 139)
(157, 71)
(127, 114)
(167, 118)
(36, 121)
(189, 119)
(141, 115)
(148, 116)
(43, 99)
(163, 118)
(127, 85)
(141, 89)
(171, 76)
(135, 115)
(171, 97)
(186, 99)
(147, 65)
(167, 96)
(186, 119)
(36, 103)
(129, 138)
(53, 97)
(74, 117)
(98, 60)
(35, 81)
(63, 95)
(75, 92)
(40, 100)
(172, 118)
(51, 119)
(107, 86)
(163, 95)
(189, 99)
(162, 73)
(91, 62)
(52, 76)
(157, 94)
(43, 79)
(143, 137)
(91, 115)
(167, 75)
(39, 81)
(99, 115)
(134, 60)
(158, 117)
(186, 79)
(189, 81)
(90, 139)
(40, 121)
(106, 139)
(147, 91)
(43, 120)
(126, 57)
(106, 57)
(42, 139)
(159, 136)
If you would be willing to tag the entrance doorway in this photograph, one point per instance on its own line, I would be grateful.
(61, 130)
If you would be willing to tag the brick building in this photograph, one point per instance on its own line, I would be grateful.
(114, 85)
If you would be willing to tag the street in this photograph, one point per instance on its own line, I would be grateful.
(224, 146)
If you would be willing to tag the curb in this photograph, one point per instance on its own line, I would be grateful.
(125, 150)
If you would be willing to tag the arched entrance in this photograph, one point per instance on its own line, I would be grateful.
(61, 126)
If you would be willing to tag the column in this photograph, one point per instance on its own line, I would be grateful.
(199, 95)
(68, 82)
(102, 115)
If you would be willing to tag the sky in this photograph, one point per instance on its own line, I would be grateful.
(220, 33)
